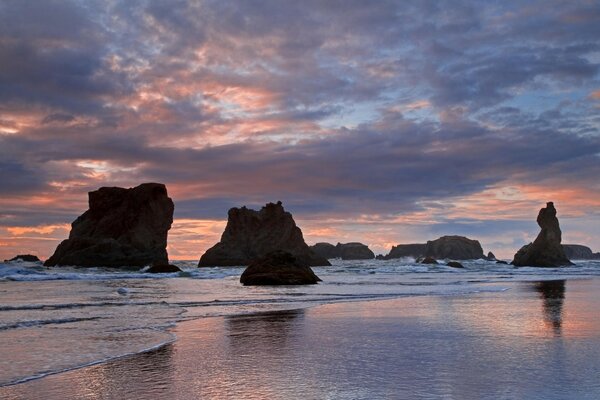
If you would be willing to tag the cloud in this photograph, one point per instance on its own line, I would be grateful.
(343, 110)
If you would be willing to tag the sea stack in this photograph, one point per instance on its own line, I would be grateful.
(345, 251)
(445, 247)
(122, 228)
(546, 250)
(252, 234)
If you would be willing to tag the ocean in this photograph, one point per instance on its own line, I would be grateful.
(54, 320)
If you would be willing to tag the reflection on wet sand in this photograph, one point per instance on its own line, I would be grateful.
(553, 295)
(263, 331)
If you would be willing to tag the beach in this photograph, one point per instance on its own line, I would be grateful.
(530, 340)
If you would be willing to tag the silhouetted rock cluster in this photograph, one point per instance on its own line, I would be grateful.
(163, 269)
(24, 257)
(251, 234)
(446, 247)
(345, 251)
(123, 227)
(546, 250)
(278, 268)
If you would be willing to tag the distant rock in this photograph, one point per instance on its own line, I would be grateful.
(24, 257)
(491, 256)
(325, 250)
(546, 250)
(501, 262)
(380, 257)
(355, 251)
(579, 252)
(428, 260)
(122, 228)
(345, 251)
(163, 269)
(278, 268)
(455, 264)
(414, 250)
(251, 234)
(445, 247)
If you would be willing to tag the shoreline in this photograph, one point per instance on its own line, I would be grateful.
(270, 332)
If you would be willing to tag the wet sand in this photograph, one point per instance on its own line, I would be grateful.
(537, 340)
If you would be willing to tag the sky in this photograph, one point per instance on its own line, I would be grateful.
(383, 122)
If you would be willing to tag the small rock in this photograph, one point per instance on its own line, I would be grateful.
(24, 257)
(163, 269)
(455, 264)
(429, 260)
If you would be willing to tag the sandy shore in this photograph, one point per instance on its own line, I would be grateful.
(533, 341)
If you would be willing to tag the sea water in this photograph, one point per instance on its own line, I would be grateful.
(57, 319)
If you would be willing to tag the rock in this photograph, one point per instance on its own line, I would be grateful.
(355, 251)
(546, 250)
(325, 250)
(122, 228)
(501, 262)
(163, 269)
(454, 247)
(429, 260)
(380, 257)
(278, 268)
(491, 256)
(24, 257)
(414, 250)
(455, 264)
(579, 252)
(449, 247)
(251, 234)
(345, 251)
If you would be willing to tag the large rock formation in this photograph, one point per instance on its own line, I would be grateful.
(345, 251)
(546, 250)
(278, 268)
(251, 234)
(579, 252)
(451, 247)
(123, 227)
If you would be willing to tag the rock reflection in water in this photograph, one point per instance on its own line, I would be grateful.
(264, 331)
(553, 295)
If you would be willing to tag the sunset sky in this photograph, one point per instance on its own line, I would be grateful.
(383, 122)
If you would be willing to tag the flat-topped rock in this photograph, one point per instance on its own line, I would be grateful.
(546, 250)
(121, 228)
(24, 257)
(445, 247)
(579, 252)
(278, 268)
(345, 251)
(163, 269)
(252, 234)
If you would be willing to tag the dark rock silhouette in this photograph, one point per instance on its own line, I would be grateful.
(24, 257)
(345, 251)
(355, 251)
(163, 269)
(278, 268)
(414, 250)
(501, 262)
(455, 264)
(579, 252)
(491, 256)
(251, 234)
(449, 247)
(325, 250)
(122, 228)
(546, 250)
(428, 260)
